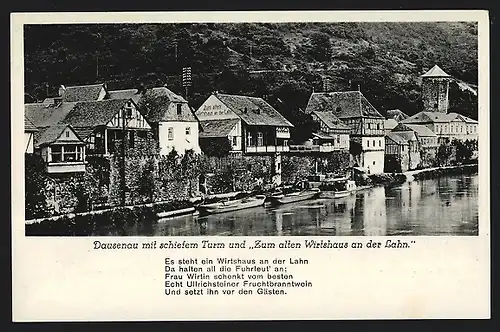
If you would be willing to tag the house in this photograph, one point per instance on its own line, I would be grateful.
(102, 124)
(172, 120)
(365, 122)
(250, 124)
(62, 150)
(94, 92)
(397, 153)
(29, 132)
(332, 133)
(447, 126)
(98, 123)
(426, 146)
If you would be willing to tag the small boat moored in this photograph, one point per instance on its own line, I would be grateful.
(228, 205)
(337, 188)
(299, 192)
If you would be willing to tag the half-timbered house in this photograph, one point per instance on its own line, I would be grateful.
(365, 122)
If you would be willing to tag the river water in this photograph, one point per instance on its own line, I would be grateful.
(442, 206)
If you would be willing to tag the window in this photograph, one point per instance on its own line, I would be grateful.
(373, 143)
(70, 153)
(56, 153)
(188, 131)
(338, 139)
(260, 139)
(67, 133)
(179, 109)
(378, 126)
(249, 139)
(235, 140)
(170, 133)
(374, 162)
(285, 142)
(368, 143)
(128, 111)
(380, 142)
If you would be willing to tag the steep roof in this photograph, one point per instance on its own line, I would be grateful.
(435, 72)
(390, 124)
(462, 117)
(330, 120)
(51, 134)
(94, 113)
(397, 138)
(427, 117)
(125, 94)
(421, 130)
(406, 135)
(347, 104)
(29, 126)
(217, 128)
(254, 111)
(82, 93)
(43, 115)
(397, 115)
(164, 108)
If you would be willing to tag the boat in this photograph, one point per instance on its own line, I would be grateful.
(337, 188)
(228, 205)
(293, 194)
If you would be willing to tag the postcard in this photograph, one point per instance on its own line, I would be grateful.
(275, 165)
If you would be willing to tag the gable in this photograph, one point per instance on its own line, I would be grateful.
(134, 118)
(67, 135)
(214, 109)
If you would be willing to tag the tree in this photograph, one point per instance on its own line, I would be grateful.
(216, 146)
(321, 47)
(35, 199)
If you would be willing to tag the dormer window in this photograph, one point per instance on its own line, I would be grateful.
(179, 109)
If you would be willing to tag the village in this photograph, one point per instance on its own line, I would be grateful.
(100, 148)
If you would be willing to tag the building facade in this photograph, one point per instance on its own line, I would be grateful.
(29, 132)
(172, 119)
(250, 124)
(365, 122)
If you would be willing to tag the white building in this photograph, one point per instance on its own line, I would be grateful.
(365, 122)
(172, 119)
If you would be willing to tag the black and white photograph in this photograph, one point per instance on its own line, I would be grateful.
(251, 129)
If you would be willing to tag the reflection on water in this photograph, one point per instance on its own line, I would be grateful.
(444, 206)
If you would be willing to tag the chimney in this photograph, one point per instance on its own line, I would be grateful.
(62, 89)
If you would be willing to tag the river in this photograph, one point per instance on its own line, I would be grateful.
(441, 206)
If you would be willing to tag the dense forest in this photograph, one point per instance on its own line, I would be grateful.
(284, 63)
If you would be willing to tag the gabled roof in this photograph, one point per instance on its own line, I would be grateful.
(390, 124)
(51, 134)
(396, 138)
(330, 120)
(254, 111)
(348, 104)
(43, 115)
(420, 130)
(217, 128)
(323, 136)
(453, 116)
(94, 113)
(125, 94)
(29, 126)
(406, 135)
(397, 115)
(163, 108)
(427, 117)
(158, 104)
(82, 93)
(435, 72)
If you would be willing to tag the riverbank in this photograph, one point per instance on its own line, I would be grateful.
(80, 224)
(392, 179)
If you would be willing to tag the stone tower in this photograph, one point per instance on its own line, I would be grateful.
(435, 85)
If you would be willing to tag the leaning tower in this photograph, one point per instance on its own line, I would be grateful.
(435, 84)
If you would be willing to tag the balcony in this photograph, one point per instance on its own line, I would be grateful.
(315, 148)
(65, 167)
(267, 149)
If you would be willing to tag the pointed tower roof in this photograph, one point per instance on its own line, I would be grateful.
(435, 72)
